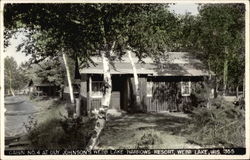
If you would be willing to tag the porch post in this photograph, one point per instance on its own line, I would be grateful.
(89, 95)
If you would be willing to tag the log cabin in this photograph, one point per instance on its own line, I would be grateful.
(164, 85)
(43, 89)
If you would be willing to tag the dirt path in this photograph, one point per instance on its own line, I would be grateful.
(126, 132)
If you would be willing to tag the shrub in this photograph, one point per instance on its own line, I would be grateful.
(68, 133)
(148, 140)
(240, 102)
(222, 124)
(199, 97)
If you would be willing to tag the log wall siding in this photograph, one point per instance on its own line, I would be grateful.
(164, 97)
(155, 105)
(167, 97)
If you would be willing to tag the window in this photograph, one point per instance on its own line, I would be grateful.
(185, 88)
(97, 89)
(149, 89)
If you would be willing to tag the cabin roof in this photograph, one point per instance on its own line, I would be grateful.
(176, 64)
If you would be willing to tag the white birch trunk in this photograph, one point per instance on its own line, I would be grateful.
(68, 78)
(102, 113)
(136, 81)
(107, 81)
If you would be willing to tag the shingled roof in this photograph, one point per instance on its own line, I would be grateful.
(177, 64)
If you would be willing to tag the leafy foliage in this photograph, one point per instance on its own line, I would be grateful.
(61, 134)
(223, 125)
(217, 28)
(48, 71)
(83, 29)
(13, 75)
(148, 29)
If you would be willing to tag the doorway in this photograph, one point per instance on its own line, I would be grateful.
(117, 99)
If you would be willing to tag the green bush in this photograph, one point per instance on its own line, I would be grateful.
(61, 134)
(221, 125)
(199, 97)
(148, 140)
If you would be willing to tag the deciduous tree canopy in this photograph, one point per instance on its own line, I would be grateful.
(148, 29)
(217, 36)
(14, 76)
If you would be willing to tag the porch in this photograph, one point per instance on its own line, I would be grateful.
(172, 93)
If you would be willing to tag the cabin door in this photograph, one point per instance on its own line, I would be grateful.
(117, 84)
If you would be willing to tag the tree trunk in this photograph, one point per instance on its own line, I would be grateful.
(102, 113)
(244, 86)
(216, 86)
(61, 92)
(208, 92)
(69, 79)
(225, 72)
(107, 81)
(136, 81)
(237, 91)
(10, 80)
(209, 69)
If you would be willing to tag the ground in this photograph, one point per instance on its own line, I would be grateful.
(48, 109)
(168, 130)
(51, 108)
(127, 131)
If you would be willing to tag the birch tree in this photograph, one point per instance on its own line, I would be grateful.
(68, 78)
(136, 81)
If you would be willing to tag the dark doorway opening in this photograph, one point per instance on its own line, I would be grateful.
(117, 97)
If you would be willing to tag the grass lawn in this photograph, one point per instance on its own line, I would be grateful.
(49, 108)
(131, 130)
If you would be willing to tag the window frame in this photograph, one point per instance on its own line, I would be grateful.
(96, 94)
(183, 88)
(151, 88)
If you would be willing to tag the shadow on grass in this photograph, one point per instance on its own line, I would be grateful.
(123, 130)
(163, 122)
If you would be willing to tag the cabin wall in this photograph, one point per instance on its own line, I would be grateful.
(167, 96)
(166, 93)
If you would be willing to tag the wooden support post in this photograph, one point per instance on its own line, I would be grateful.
(89, 95)
(78, 107)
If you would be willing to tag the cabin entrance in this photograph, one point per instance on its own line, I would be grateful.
(117, 91)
